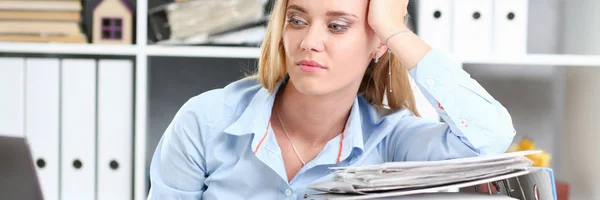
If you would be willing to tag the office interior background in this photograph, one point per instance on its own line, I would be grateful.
(96, 83)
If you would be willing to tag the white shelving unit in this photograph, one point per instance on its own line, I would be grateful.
(203, 51)
(142, 52)
(254, 52)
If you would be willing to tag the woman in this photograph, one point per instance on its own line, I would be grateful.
(316, 103)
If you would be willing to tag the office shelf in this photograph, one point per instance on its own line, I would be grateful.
(535, 59)
(68, 49)
(254, 52)
(203, 51)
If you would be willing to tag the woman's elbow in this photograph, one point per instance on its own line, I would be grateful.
(501, 134)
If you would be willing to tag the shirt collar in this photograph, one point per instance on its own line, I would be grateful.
(255, 119)
(354, 129)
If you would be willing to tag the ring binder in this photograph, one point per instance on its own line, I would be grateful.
(536, 185)
(521, 188)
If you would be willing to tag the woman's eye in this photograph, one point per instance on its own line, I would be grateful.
(296, 22)
(338, 27)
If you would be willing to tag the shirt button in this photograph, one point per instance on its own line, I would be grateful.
(288, 192)
(464, 123)
(430, 82)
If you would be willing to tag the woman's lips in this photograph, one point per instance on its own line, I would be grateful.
(310, 66)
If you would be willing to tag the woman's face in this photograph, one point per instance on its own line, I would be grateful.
(328, 44)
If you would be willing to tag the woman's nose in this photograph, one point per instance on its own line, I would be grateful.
(314, 39)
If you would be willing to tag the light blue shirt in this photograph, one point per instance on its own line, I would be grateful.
(207, 152)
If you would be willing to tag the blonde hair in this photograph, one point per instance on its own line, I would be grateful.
(271, 69)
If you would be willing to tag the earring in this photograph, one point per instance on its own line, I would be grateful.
(376, 57)
(390, 68)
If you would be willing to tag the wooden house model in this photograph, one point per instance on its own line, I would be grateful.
(113, 22)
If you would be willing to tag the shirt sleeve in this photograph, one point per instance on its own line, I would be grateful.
(474, 122)
(178, 166)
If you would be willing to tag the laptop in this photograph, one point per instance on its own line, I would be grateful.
(18, 178)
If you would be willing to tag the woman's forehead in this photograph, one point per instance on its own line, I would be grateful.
(322, 7)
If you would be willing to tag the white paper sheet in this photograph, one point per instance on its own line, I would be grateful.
(399, 193)
(415, 176)
(416, 164)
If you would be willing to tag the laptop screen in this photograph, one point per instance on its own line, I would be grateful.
(18, 179)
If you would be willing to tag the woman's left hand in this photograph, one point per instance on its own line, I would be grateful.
(387, 16)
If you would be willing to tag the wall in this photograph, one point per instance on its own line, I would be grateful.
(581, 35)
(172, 81)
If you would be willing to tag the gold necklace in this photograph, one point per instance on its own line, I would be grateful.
(288, 137)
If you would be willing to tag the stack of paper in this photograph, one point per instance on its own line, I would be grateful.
(399, 178)
(203, 18)
(55, 21)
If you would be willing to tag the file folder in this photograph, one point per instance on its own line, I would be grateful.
(12, 91)
(510, 27)
(42, 120)
(434, 23)
(115, 129)
(78, 129)
(539, 184)
(19, 179)
(472, 30)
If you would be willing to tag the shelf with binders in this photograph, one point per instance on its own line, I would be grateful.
(534, 96)
(541, 69)
(76, 112)
(494, 32)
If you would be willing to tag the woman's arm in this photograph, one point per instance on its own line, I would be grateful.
(178, 167)
(475, 123)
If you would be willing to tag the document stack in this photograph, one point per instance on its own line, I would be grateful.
(56, 21)
(409, 178)
(215, 21)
